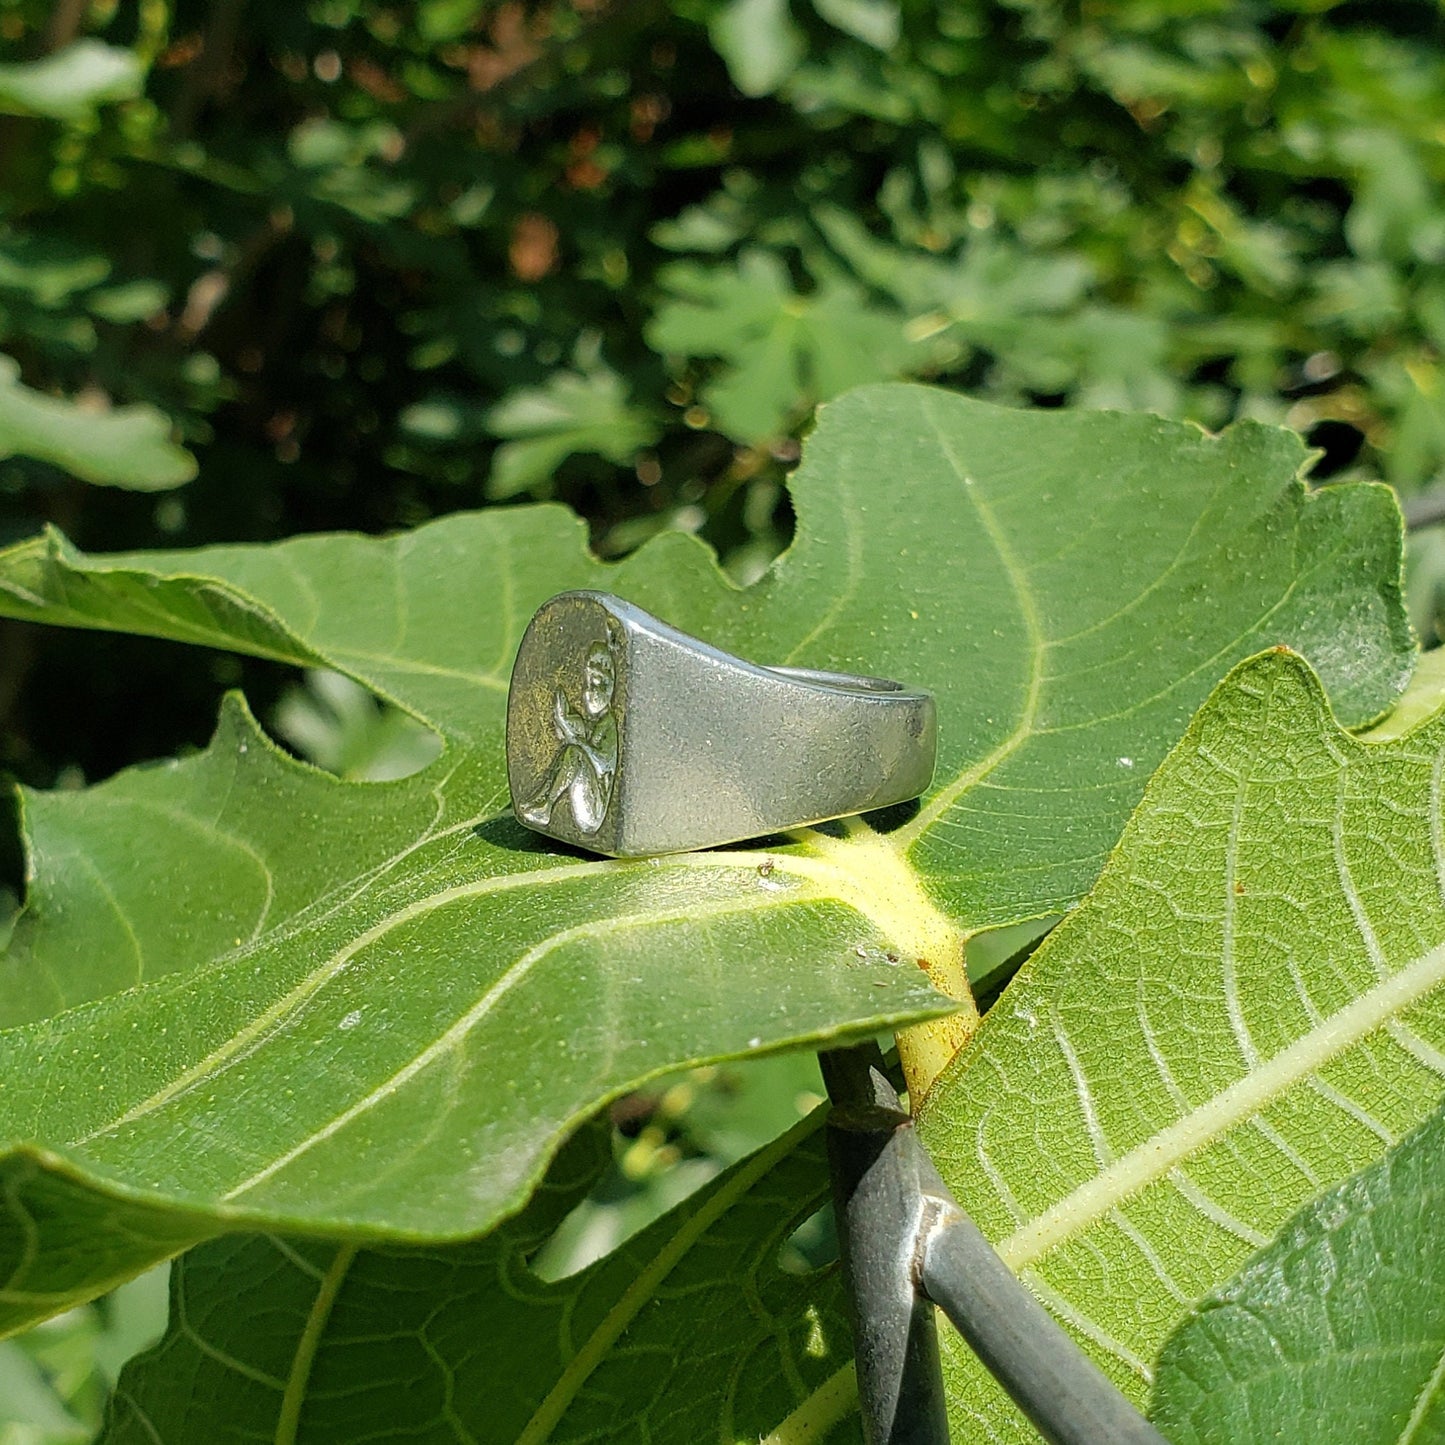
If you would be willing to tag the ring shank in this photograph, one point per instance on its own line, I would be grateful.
(840, 681)
(629, 737)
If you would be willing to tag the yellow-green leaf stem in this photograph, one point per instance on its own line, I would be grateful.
(871, 873)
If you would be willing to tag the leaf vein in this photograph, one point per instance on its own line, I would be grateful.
(610, 1328)
(1155, 1157)
(510, 978)
(288, 1419)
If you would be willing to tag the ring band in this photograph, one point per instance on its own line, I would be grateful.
(628, 737)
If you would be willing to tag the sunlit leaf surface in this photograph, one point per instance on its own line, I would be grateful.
(1336, 1331)
(70, 84)
(126, 446)
(244, 993)
(1249, 1007)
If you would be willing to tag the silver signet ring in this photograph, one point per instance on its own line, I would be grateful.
(628, 737)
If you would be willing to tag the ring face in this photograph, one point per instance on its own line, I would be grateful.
(628, 737)
(565, 711)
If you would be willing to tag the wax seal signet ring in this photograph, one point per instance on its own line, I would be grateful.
(628, 737)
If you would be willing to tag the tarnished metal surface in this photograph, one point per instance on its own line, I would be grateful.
(874, 1159)
(908, 1246)
(629, 737)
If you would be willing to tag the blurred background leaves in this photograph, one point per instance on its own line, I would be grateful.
(55, 1379)
(373, 262)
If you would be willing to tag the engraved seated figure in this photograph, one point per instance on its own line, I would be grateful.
(586, 767)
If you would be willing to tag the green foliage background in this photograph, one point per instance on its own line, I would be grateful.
(375, 263)
(352, 265)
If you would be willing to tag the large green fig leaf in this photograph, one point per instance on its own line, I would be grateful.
(1346, 1048)
(246, 991)
(690, 1331)
(1248, 1008)
(1336, 1331)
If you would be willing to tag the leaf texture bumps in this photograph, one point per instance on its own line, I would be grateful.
(1249, 1007)
(1121, 1208)
(245, 991)
(1336, 1331)
(690, 1331)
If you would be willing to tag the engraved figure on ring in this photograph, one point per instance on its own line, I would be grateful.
(585, 768)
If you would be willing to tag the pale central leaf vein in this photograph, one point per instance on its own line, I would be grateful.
(855, 877)
(514, 974)
(644, 1285)
(1166, 1149)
